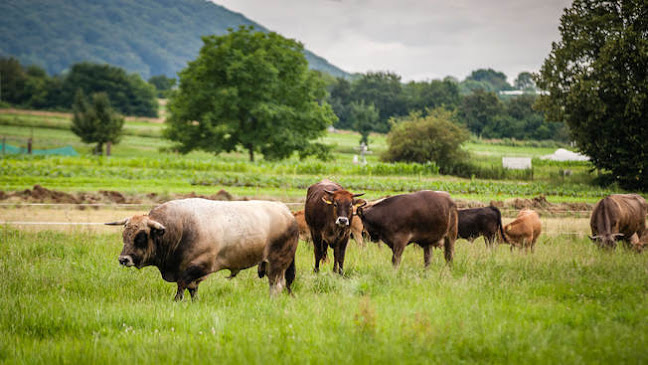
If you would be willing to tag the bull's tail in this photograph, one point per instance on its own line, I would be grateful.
(290, 275)
(451, 235)
(261, 270)
(500, 232)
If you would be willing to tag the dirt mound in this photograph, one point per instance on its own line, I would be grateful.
(539, 203)
(39, 194)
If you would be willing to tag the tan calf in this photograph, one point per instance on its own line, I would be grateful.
(523, 232)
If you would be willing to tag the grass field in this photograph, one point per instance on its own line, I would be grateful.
(66, 300)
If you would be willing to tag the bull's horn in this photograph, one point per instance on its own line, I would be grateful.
(593, 238)
(618, 235)
(118, 223)
(155, 225)
(328, 192)
(358, 195)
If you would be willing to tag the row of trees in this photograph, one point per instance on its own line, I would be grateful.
(32, 87)
(478, 106)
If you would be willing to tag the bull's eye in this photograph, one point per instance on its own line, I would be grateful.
(141, 240)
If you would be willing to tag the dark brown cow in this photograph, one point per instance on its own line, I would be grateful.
(328, 213)
(425, 217)
(618, 217)
(477, 222)
(189, 239)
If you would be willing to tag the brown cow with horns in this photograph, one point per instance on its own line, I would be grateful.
(328, 213)
(619, 217)
(189, 239)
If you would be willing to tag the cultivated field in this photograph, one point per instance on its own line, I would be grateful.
(67, 300)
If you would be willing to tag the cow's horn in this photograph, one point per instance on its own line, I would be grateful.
(593, 238)
(328, 192)
(358, 195)
(155, 225)
(118, 223)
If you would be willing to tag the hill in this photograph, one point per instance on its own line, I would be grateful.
(150, 37)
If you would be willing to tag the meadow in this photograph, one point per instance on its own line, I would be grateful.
(67, 300)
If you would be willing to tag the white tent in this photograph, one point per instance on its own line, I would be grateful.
(562, 154)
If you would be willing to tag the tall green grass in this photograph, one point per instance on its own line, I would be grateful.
(66, 300)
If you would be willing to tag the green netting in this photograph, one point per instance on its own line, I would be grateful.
(63, 151)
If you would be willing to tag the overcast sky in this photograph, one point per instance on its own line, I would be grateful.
(418, 40)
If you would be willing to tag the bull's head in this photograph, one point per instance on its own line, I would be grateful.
(342, 202)
(139, 234)
(606, 240)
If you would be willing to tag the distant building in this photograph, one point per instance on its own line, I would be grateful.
(516, 163)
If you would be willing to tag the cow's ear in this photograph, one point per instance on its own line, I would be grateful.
(359, 203)
(326, 201)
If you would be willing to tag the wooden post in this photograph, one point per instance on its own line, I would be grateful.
(4, 143)
(108, 145)
(29, 146)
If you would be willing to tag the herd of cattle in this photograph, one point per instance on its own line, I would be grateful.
(189, 239)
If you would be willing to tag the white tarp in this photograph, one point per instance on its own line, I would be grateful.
(516, 163)
(562, 154)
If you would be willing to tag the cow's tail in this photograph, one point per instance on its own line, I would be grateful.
(263, 266)
(451, 235)
(290, 274)
(501, 234)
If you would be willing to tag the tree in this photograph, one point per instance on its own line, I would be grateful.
(340, 100)
(596, 78)
(479, 109)
(434, 138)
(363, 117)
(96, 122)
(385, 92)
(524, 81)
(421, 96)
(162, 84)
(496, 79)
(252, 90)
(129, 94)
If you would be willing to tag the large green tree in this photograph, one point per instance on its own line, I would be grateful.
(252, 90)
(596, 78)
(479, 109)
(385, 91)
(363, 118)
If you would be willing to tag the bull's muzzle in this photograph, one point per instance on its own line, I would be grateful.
(126, 261)
(342, 221)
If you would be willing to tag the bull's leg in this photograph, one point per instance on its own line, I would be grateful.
(193, 290)
(427, 255)
(233, 274)
(192, 274)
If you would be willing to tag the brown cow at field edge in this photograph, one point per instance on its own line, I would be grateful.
(618, 217)
(523, 232)
(189, 239)
(329, 212)
(426, 218)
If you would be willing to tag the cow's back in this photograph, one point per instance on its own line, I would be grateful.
(619, 213)
(424, 215)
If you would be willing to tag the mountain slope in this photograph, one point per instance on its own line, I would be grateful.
(150, 37)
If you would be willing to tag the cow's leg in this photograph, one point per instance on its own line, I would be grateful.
(193, 290)
(338, 254)
(320, 249)
(397, 252)
(180, 293)
(427, 255)
(233, 274)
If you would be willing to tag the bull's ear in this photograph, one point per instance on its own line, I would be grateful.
(359, 212)
(359, 203)
(118, 223)
(326, 201)
(156, 226)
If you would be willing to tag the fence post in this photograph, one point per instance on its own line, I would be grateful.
(29, 146)
(4, 143)
(108, 145)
